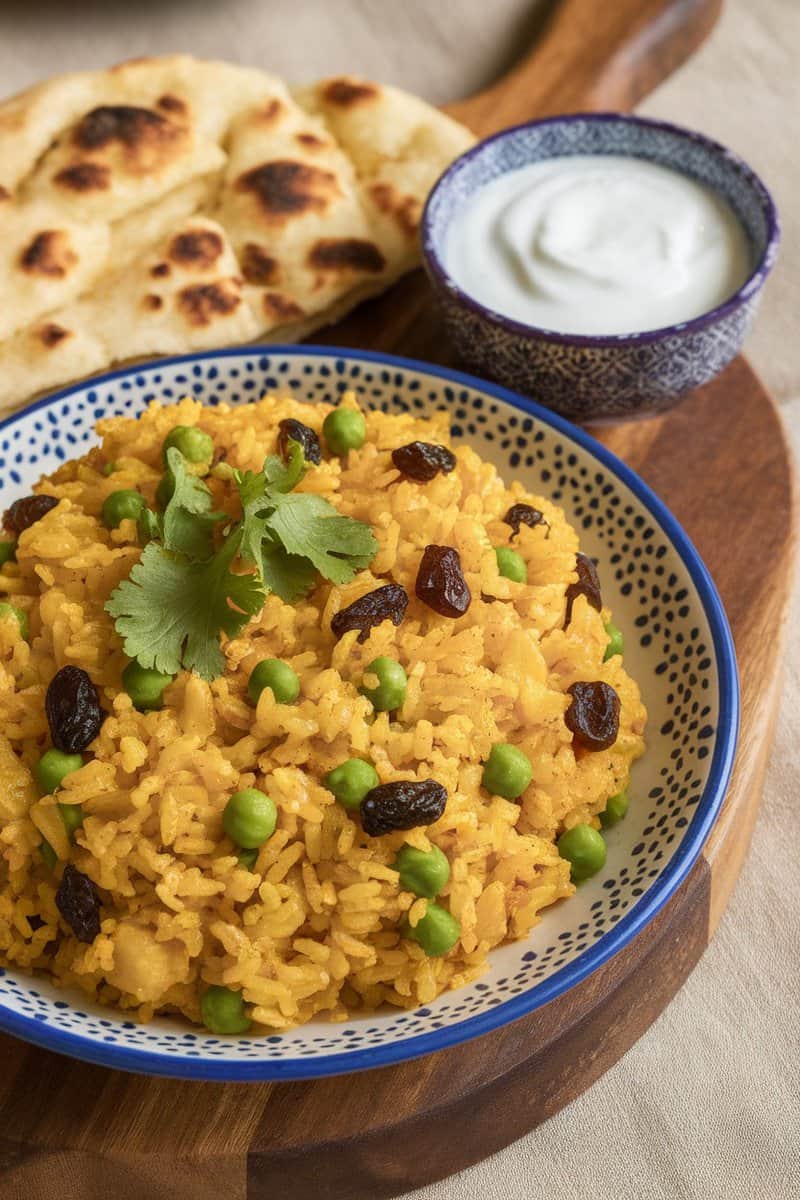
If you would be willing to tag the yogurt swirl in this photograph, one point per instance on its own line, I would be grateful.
(597, 244)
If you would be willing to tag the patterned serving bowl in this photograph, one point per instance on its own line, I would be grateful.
(591, 377)
(678, 647)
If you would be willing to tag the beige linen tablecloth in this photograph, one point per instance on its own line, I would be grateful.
(707, 1104)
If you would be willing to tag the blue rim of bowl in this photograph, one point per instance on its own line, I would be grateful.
(754, 282)
(404, 1049)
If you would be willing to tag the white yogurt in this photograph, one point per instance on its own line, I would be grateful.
(597, 244)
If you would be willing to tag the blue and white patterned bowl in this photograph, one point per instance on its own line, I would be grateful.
(593, 377)
(678, 646)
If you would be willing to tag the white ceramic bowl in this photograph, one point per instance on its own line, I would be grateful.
(677, 645)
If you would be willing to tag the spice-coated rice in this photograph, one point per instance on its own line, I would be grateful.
(313, 928)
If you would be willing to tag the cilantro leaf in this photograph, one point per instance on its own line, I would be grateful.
(307, 525)
(188, 520)
(171, 612)
(280, 476)
(290, 576)
(311, 533)
(149, 526)
(181, 596)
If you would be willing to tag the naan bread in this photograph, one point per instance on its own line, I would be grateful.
(292, 204)
(45, 261)
(170, 204)
(398, 146)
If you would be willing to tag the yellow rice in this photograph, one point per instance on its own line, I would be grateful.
(313, 928)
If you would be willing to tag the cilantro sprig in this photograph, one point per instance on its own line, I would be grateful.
(184, 593)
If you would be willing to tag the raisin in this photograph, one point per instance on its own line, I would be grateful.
(593, 715)
(387, 603)
(73, 710)
(588, 585)
(79, 904)
(523, 514)
(290, 430)
(423, 460)
(402, 805)
(441, 583)
(26, 512)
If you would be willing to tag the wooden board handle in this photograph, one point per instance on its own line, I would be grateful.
(592, 56)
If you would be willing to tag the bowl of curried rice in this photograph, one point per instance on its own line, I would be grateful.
(331, 727)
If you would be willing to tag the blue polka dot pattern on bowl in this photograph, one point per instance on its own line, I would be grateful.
(677, 647)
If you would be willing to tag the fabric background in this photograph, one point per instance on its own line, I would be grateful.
(707, 1104)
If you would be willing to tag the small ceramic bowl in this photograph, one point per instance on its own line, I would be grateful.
(587, 377)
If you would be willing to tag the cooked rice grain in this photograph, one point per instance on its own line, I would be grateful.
(313, 927)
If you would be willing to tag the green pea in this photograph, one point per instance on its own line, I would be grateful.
(72, 816)
(437, 932)
(390, 690)
(49, 856)
(276, 675)
(19, 615)
(125, 505)
(344, 429)
(109, 469)
(195, 445)
(507, 771)
(423, 872)
(53, 768)
(511, 565)
(615, 641)
(585, 851)
(8, 552)
(145, 686)
(223, 1010)
(248, 858)
(351, 781)
(250, 818)
(615, 810)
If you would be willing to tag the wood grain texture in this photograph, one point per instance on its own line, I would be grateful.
(84, 1133)
(592, 56)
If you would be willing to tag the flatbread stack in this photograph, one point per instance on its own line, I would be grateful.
(171, 204)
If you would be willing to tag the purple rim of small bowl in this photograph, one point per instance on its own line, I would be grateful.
(753, 283)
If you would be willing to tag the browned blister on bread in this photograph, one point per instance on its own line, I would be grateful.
(169, 204)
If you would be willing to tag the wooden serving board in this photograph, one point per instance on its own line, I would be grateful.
(720, 462)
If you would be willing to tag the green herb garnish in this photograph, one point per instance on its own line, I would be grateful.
(183, 594)
(289, 535)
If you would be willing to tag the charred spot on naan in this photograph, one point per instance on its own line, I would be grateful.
(5, 194)
(148, 139)
(279, 308)
(50, 254)
(196, 249)
(202, 303)
(286, 189)
(152, 302)
(172, 104)
(346, 92)
(51, 335)
(257, 266)
(311, 141)
(84, 177)
(339, 256)
(161, 270)
(271, 112)
(406, 210)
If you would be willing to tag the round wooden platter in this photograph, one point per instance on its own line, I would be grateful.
(720, 462)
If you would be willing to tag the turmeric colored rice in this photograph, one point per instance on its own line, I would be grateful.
(315, 927)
